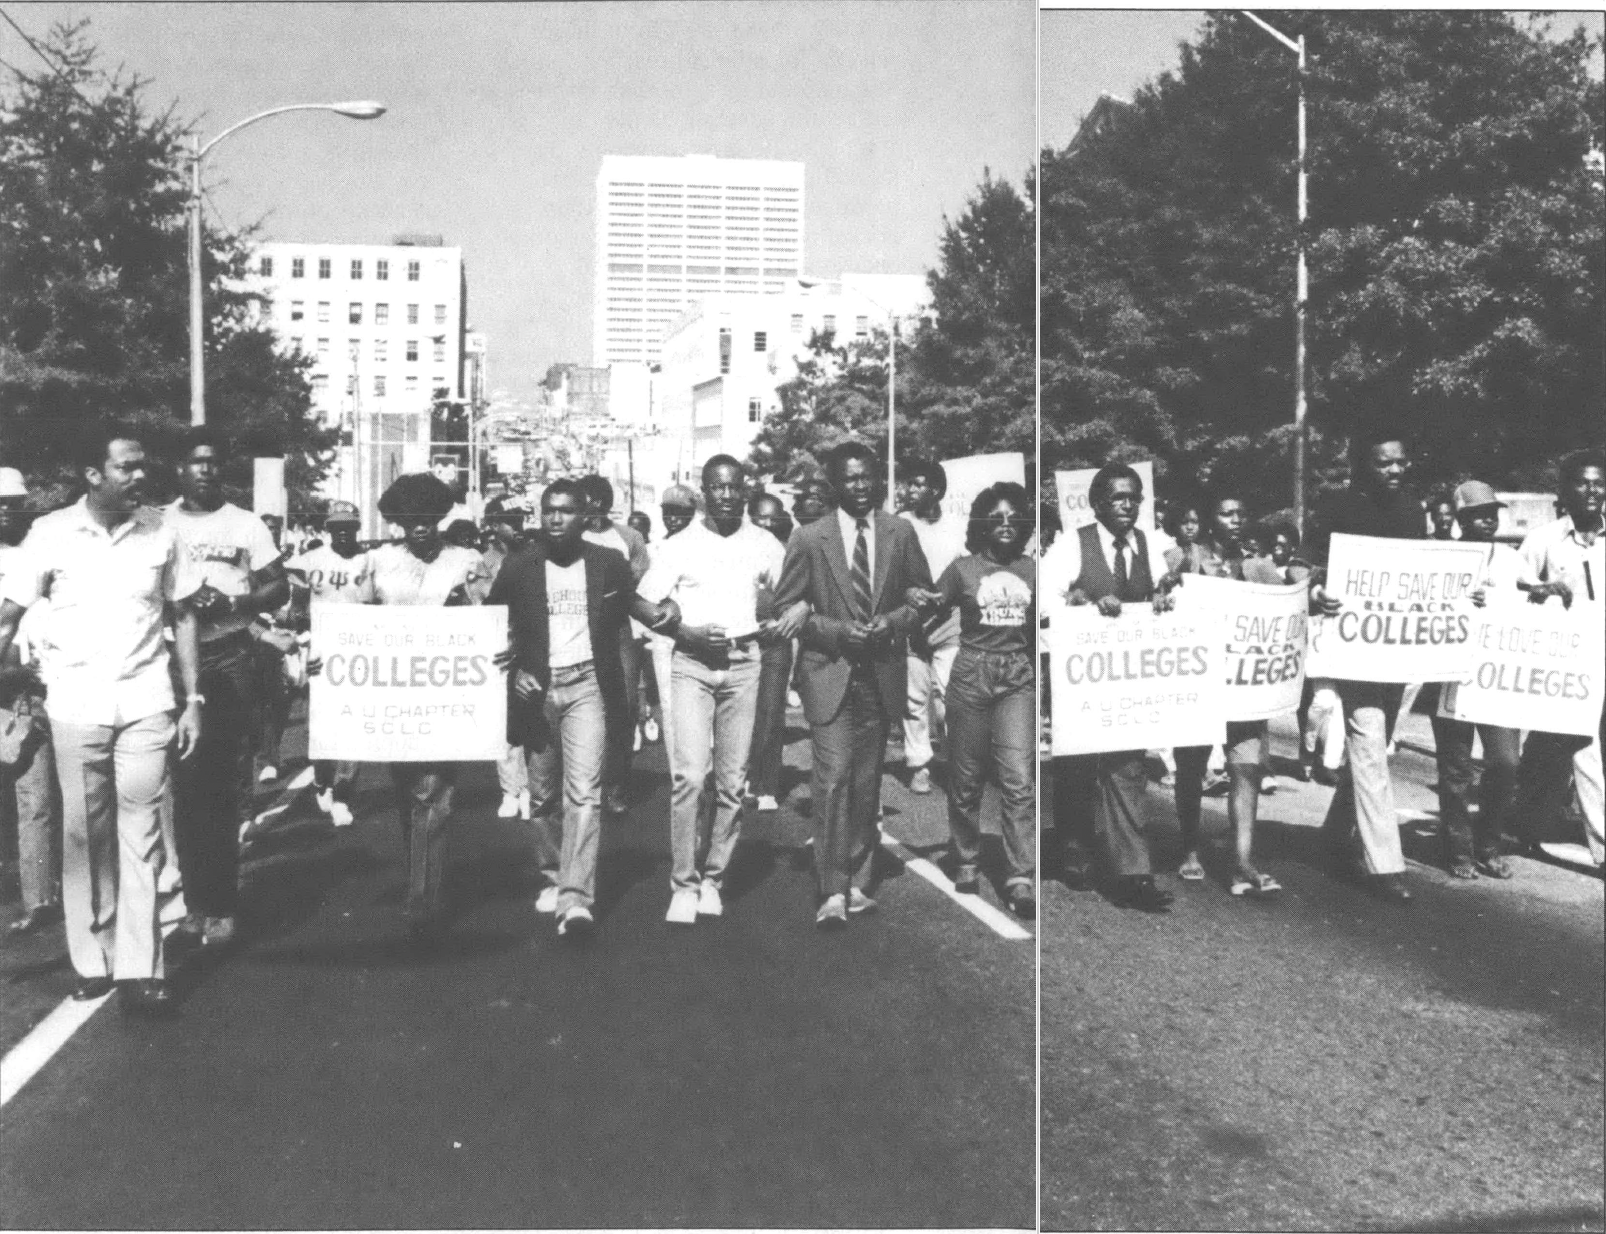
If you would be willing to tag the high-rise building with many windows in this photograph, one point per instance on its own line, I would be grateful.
(672, 231)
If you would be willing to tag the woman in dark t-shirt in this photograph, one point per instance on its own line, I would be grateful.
(992, 695)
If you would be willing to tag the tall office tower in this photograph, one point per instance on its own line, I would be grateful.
(671, 231)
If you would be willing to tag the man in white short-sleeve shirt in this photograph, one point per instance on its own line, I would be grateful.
(713, 571)
(931, 654)
(112, 574)
(233, 555)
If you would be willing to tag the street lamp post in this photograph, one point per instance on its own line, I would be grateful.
(358, 110)
(1301, 285)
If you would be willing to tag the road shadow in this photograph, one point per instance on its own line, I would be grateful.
(621, 869)
(398, 951)
(281, 894)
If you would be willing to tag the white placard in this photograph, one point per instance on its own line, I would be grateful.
(407, 684)
(509, 460)
(1264, 628)
(1534, 667)
(1075, 509)
(967, 477)
(1406, 615)
(1139, 681)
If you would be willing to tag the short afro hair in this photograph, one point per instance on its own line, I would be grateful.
(596, 491)
(933, 473)
(416, 496)
(840, 455)
(1575, 463)
(1106, 476)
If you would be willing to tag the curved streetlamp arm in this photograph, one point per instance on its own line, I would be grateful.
(263, 115)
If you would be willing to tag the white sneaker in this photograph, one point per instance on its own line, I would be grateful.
(524, 804)
(269, 774)
(326, 800)
(709, 903)
(793, 699)
(650, 730)
(858, 902)
(340, 814)
(636, 741)
(547, 901)
(509, 807)
(683, 908)
(768, 805)
(576, 923)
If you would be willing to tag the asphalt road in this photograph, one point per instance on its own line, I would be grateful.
(1324, 1060)
(749, 1072)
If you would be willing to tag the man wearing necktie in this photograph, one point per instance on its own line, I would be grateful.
(854, 568)
(1098, 798)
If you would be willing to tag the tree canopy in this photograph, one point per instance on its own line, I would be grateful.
(94, 286)
(1455, 248)
(966, 376)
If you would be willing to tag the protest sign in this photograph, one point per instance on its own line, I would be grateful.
(1534, 667)
(1075, 509)
(1139, 681)
(967, 477)
(407, 684)
(1264, 631)
(1406, 615)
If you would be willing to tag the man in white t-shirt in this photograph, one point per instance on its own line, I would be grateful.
(933, 651)
(234, 557)
(713, 571)
(627, 542)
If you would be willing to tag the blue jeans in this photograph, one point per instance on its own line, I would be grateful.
(714, 707)
(28, 795)
(565, 777)
(992, 726)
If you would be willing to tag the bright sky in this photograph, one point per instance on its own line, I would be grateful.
(1088, 52)
(500, 115)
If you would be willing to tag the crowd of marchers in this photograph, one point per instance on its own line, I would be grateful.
(149, 657)
(1347, 728)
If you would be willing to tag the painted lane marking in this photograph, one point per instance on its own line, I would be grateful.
(25, 1059)
(995, 919)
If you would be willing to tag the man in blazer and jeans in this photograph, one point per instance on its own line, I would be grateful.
(567, 599)
(854, 567)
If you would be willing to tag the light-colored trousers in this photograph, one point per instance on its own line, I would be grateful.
(1324, 724)
(511, 776)
(1364, 802)
(112, 781)
(27, 795)
(565, 778)
(927, 710)
(714, 710)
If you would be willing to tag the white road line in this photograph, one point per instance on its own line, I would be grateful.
(994, 919)
(23, 1061)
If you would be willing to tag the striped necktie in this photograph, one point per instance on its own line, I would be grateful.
(861, 572)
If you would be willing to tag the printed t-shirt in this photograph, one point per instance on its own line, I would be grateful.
(398, 577)
(995, 602)
(568, 623)
(224, 547)
(331, 578)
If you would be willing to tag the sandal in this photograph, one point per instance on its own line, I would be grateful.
(1191, 871)
(1254, 883)
(1462, 867)
(1496, 866)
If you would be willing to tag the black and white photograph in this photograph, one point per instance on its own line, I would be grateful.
(1322, 344)
(516, 698)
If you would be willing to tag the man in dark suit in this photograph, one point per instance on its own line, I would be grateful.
(567, 599)
(854, 567)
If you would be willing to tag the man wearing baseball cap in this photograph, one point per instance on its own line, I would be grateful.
(332, 573)
(26, 781)
(1473, 847)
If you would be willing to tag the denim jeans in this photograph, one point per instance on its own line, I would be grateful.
(1465, 839)
(112, 783)
(769, 721)
(992, 726)
(713, 706)
(1364, 802)
(424, 805)
(27, 794)
(565, 777)
(215, 788)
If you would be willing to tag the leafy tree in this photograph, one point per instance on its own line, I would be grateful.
(1455, 246)
(94, 287)
(966, 378)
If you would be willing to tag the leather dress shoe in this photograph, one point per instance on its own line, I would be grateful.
(1140, 891)
(147, 996)
(90, 988)
(34, 920)
(1391, 887)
